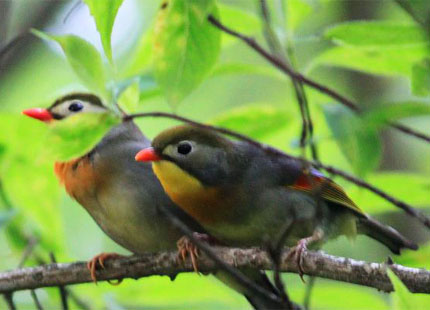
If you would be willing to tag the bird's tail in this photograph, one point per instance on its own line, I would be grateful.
(259, 278)
(387, 235)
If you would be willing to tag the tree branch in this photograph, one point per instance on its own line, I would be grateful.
(166, 264)
(281, 65)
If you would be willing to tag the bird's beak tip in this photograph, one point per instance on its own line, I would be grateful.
(147, 154)
(40, 114)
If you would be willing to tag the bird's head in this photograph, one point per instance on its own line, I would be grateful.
(67, 106)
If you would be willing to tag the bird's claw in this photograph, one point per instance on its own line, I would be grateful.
(99, 260)
(187, 247)
(298, 253)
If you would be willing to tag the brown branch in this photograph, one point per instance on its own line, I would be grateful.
(281, 65)
(396, 202)
(166, 263)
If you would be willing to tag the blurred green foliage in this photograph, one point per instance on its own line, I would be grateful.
(171, 57)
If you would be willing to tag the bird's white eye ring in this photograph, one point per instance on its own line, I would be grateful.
(184, 147)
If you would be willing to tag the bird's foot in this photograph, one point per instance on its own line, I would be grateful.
(187, 247)
(99, 260)
(300, 249)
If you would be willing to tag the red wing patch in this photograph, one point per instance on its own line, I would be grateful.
(326, 188)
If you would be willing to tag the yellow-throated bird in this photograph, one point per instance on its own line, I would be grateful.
(244, 196)
(124, 196)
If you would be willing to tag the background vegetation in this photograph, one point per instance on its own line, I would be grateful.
(374, 52)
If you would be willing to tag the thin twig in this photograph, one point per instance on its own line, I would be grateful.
(8, 297)
(63, 293)
(271, 150)
(306, 137)
(316, 264)
(299, 77)
(36, 300)
(32, 242)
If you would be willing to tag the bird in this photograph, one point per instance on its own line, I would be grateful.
(244, 195)
(123, 196)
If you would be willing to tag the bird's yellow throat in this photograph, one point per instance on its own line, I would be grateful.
(186, 191)
(175, 180)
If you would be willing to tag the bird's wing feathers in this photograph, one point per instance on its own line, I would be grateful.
(316, 183)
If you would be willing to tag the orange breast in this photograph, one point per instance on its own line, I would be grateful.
(77, 176)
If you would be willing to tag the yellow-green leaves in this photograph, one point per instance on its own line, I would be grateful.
(84, 59)
(77, 134)
(257, 121)
(370, 34)
(421, 78)
(377, 47)
(104, 13)
(129, 98)
(186, 46)
(403, 299)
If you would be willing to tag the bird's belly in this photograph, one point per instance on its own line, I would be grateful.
(131, 219)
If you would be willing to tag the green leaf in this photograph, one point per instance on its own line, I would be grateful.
(403, 299)
(78, 134)
(415, 193)
(238, 19)
(381, 114)
(257, 121)
(389, 62)
(129, 98)
(104, 13)
(186, 46)
(421, 78)
(360, 143)
(84, 59)
(296, 11)
(376, 34)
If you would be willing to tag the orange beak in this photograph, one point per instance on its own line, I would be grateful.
(41, 114)
(147, 154)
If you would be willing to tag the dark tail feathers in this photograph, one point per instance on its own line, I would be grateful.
(387, 235)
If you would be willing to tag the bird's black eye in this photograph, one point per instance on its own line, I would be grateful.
(184, 148)
(75, 106)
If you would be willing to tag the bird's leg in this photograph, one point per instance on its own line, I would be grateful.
(187, 247)
(99, 260)
(301, 247)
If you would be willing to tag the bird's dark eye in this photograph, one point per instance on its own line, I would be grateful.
(184, 148)
(75, 106)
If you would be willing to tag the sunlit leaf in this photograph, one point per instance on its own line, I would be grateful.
(104, 13)
(416, 193)
(186, 46)
(359, 142)
(376, 34)
(28, 179)
(418, 10)
(142, 56)
(77, 134)
(129, 98)
(381, 62)
(257, 121)
(421, 78)
(84, 59)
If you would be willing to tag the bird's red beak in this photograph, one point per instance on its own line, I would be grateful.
(147, 154)
(41, 114)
